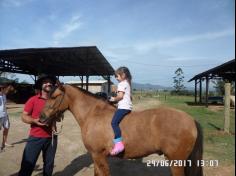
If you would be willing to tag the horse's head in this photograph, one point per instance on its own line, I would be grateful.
(55, 106)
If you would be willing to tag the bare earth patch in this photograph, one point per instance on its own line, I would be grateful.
(72, 157)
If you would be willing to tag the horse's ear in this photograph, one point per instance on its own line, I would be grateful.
(60, 85)
(61, 88)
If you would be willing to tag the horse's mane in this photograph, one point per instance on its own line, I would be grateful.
(92, 95)
(52, 91)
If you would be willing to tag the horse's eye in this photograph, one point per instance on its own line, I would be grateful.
(53, 97)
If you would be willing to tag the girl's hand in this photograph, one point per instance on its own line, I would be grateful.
(112, 99)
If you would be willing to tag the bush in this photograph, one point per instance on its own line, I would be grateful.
(182, 92)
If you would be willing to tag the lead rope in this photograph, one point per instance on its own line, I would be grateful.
(56, 133)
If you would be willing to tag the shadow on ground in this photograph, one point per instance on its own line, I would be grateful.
(117, 167)
(21, 141)
(76, 165)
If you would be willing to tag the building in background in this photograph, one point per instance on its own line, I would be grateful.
(94, 86)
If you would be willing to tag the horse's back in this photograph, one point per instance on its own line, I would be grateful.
(160, 115)
(157, 130)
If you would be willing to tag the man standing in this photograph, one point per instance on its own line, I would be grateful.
(40, 135)
(4, 119)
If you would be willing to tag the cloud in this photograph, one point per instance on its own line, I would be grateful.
(73, 25)
(153, 49)
(146, 46)
(14, 3)
(187, 58)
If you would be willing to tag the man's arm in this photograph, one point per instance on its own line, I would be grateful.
(26, 118)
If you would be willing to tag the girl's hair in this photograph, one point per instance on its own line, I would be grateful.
(126, 72)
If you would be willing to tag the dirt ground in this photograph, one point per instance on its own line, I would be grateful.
(72, 158)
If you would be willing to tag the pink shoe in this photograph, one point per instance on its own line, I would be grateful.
(118, 148)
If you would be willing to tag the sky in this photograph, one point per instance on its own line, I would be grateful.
(153, 38)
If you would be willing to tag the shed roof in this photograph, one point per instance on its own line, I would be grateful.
(66, 61)
(226, 71)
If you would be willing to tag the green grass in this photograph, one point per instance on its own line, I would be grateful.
(217, 144)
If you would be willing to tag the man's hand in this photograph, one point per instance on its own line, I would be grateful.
(37, 122)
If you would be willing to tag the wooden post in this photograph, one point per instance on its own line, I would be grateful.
(82, 82)
(200, 90)
(35, 79)
(207, 90)
(87, 82)
(227, 107)
(195, 93)
(109, 84)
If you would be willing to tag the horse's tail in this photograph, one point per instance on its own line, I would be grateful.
(196, 155)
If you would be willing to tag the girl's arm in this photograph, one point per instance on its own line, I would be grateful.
(119, 97)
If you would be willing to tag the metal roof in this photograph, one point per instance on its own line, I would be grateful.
(225, 71)
(66, 61)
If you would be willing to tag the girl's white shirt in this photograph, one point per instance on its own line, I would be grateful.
(126, 102)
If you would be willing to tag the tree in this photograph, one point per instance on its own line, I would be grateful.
(219, 87)
(9, 76)
(179, 80)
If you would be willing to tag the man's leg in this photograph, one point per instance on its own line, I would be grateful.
(6, 127)
(49, 152)
(1, 124)
(4, 137)
(30, 155)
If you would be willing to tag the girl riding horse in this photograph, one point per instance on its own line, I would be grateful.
(162, 130)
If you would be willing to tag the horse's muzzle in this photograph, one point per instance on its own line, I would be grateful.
(43, 118)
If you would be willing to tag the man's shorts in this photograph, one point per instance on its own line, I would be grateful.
(4, 122)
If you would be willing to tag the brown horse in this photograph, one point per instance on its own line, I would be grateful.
(163, 130)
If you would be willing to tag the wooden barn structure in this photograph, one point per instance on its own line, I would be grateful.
(64, 61)
(225, 71)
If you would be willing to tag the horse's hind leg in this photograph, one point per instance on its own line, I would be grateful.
(101, 167)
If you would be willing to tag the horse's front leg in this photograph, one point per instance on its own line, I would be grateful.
(177, 171)
(101, 167)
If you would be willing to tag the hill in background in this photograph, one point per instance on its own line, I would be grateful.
(148, 86)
